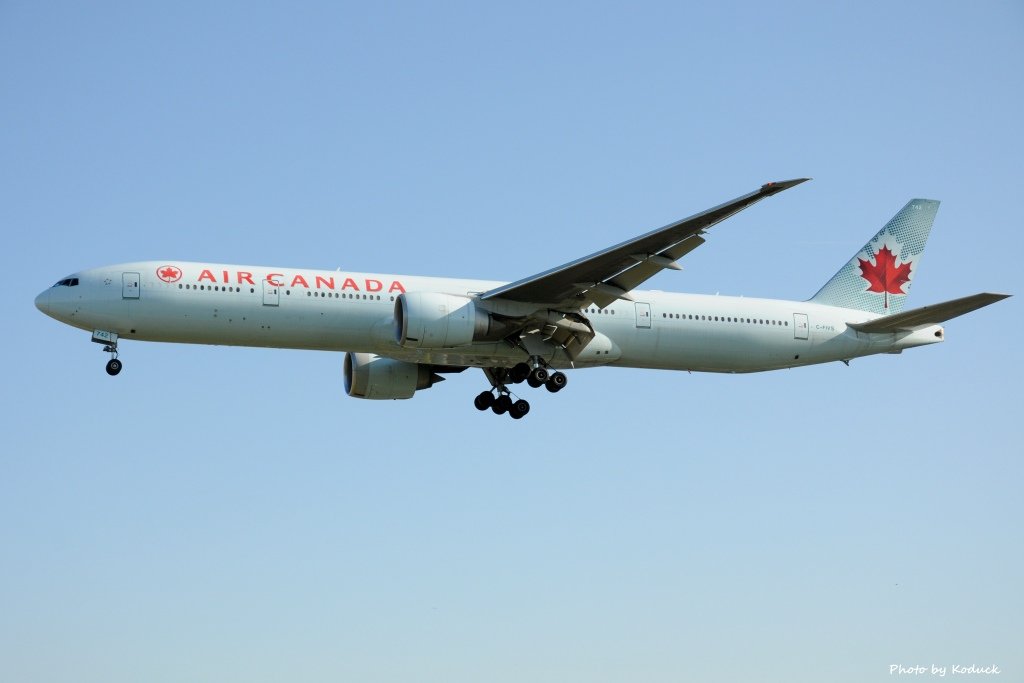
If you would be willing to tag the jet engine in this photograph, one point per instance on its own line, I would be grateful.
(367, 375)
(432, 320)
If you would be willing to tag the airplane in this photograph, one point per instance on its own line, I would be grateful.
(402, 333)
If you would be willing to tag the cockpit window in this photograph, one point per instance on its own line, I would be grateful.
(68, 282)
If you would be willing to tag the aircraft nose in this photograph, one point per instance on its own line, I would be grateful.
(43, 302)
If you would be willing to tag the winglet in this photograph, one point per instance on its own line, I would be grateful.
(768, 189)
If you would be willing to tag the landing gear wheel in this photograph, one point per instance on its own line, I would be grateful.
(537, 377)
(519, 372)
(556, 382)
(484, 400)
(113, 366)
(502, 404)
(519, 409)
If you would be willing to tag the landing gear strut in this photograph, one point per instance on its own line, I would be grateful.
(109, 341)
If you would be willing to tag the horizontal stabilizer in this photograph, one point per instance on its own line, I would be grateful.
(928, 315)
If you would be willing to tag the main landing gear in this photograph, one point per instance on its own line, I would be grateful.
(501, 404)
(499, 398)
(109, 341)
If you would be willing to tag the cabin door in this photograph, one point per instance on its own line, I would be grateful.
(643, 315)
(129, 285)
(271, 293)
(800, 327)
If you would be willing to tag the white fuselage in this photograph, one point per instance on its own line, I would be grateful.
(206, 303)
(202, 303)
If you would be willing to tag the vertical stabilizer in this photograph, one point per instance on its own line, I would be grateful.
(878, 277)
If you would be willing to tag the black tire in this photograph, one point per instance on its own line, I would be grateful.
(532, 382)
(519, 372)
(556, 382)
(519, 409)
(114, 366)
(539, 375)
(484, 400)
(502, 404)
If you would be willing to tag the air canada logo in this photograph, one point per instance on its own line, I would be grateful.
(884, 276)
(168, 273)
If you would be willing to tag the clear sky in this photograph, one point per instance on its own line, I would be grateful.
(220, 514)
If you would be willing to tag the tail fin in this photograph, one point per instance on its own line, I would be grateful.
(878, 278)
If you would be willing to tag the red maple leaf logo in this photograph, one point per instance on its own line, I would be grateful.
(168, 273)
(884, 276)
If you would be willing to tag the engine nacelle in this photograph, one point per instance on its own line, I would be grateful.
(367, 375)
(432, 320)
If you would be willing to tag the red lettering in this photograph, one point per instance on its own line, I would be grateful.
(272, 279)
(244, 277)
(396, 286)
(374, 285)
(349, 282)
(207, 275)
(299, 280)
(327, 282)
(225, 276)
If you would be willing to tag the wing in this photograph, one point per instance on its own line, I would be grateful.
(610, 274)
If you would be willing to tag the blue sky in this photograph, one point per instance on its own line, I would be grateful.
(216, 514)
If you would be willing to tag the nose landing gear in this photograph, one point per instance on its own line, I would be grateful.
(109, 341)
